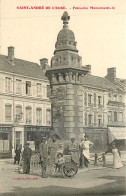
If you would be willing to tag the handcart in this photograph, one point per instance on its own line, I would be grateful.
(70, 168)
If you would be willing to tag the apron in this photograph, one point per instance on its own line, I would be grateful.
(85, 146)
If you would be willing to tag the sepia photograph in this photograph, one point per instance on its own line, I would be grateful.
(62, 97)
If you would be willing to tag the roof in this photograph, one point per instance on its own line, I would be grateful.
(66, 35)
(98, 82)
(21, 67)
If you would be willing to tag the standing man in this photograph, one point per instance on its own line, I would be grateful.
(74, 151)
(53, 153)
(43, 149)
(27, 153)
(86, 145)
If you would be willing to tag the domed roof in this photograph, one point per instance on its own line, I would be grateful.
(66, 35)
(65, 38)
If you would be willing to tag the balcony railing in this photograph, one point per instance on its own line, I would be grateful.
(90, 104)
(38, 122)
(28, 121)
(100, 125)
(116, 103)
(90, 124)
(100, 106)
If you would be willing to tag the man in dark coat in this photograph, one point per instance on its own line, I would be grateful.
(43, 149)
(27, 153)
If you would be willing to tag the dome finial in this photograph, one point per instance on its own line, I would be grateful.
(65, 18)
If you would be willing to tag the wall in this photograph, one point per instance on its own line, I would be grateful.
(99, 137)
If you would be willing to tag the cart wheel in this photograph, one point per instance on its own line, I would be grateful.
(69, 172)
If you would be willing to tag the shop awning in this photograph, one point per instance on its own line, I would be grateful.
(116, 133)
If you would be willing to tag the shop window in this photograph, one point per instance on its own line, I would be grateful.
(28, 88)
(4, 142)
(110, 116)
(28, 115)
(115, 116)
(38, 115)
(8, 112)
(39, 89)
(48, 117)
(18, 86)
(8, 82)
(31, 136)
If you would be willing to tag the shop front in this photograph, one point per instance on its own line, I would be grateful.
(118, 135)
(17, 138)
(5, 141)
(33, 135)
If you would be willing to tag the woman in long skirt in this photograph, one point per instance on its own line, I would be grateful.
(116, 157)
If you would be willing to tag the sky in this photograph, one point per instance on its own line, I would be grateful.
(100, 33)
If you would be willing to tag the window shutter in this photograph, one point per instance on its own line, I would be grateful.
(103, 101)
(94, 99)
(94, 119)
(85, 96)
(48, 91)
(85, 119)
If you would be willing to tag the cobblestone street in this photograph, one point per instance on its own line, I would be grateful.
(93, 181)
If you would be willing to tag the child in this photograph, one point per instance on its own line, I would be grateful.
(59, 162)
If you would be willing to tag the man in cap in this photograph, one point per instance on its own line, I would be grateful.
(27, 153)
(43, 149)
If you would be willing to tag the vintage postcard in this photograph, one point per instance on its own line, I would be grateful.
(62, 97)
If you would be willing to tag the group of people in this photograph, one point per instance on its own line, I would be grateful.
(51, 154)
(23, 158)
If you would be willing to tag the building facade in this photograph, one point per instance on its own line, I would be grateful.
(25, 108)
(79, 102)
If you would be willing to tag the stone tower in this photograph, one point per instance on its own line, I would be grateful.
(66, 76)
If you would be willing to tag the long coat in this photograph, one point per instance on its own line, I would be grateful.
(27, 153)
(74, 151)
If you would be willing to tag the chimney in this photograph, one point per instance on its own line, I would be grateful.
(43, 64)
(111, 74)
(88, 67)
(11, 54)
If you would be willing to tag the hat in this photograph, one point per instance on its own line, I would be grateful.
(44, 138)
(85, 135)
(73, 138)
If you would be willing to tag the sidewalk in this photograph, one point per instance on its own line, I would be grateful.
(109, 156)
(109, 162)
